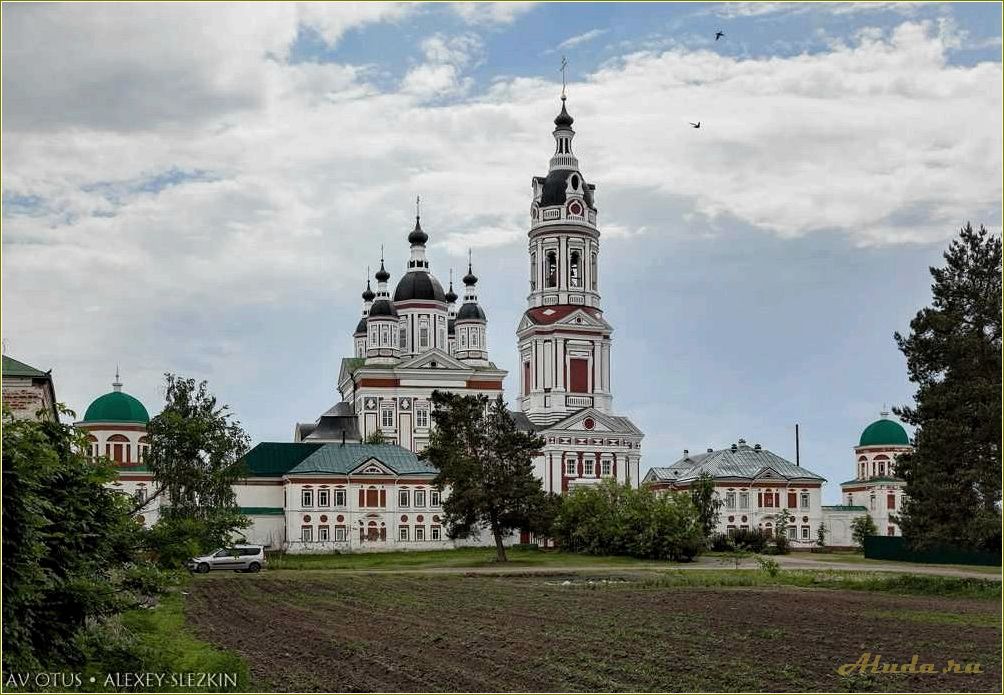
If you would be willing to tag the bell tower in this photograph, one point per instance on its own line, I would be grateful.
(564, 341)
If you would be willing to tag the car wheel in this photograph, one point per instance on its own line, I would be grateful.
(254, 567)
(203, 567)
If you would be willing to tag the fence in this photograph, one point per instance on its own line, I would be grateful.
(895, 548)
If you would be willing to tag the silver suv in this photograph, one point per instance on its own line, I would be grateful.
(239, 558)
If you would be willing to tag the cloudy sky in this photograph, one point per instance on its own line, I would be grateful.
(199, 189)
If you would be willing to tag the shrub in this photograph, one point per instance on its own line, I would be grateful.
(613, 519)
(754, 540)
(768, 565)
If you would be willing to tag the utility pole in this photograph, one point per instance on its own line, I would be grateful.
(797, 463)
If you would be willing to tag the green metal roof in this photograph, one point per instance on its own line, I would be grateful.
(262, 511)
(743, 462)
(845, 508)
(876, 479)
(344, 458)
(116, 407)
(274, 459)
(12, 367)
(884, 432)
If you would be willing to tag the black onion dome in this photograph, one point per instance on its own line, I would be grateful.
(382, 275)
(418, 236)
(382, 307)
(470, 278)
(470, 312)
(361, 326)
(418, 284)
(451, 296)
(368, 295)
(564, 119)
(555, 185)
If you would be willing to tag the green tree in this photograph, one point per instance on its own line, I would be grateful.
(953, 355)
(861, 527)
(615, 519)
(821, 536)
(708, 504)
(782, 521)
(486, 464)
(195, 457)
(376, 437)
(70, 545)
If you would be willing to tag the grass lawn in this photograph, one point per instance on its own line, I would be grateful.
(459, 558)
(158, 640)
(634, 630)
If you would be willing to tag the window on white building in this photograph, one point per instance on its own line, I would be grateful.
(805, 533)
(339, 533)
(307, 534)
(403, 338)
(322, 533)
(140, 495)
(804, 500)
(419, 498)
(339, 498)
(605, 467)
(570, 467)
(423, 335)
(323, 497)
(436, 533)
(792, 532)
(589, 466)
(421, 417)
(434, 498)
(402, 533)
(872, 502)
(730, 499)
(402, 498)
(744, 500)
(386, 417)
(307, 498)
(419, 533)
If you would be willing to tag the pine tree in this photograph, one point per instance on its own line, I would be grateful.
(486, 464)
(953, 353)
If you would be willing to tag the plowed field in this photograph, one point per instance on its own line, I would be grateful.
(307, 631)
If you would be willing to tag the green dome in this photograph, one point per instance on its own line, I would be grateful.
(116, 407)
(884, 432)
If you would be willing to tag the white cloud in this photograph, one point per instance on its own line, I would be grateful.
(580, 39)
(760, 9)
(491, 12)
(290, 176)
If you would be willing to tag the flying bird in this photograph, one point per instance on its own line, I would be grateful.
(696, 125)
(719, 34)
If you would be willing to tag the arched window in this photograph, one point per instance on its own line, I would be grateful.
(423, 335)
(574, 272)
(117, 448)
(592, 270)
(92, 446)
(552, 269)
(403, 338)
(533, 271)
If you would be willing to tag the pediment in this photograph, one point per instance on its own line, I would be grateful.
(581, 319)
(768, 473)
(434, 359)
(577, 422)
(372, 466)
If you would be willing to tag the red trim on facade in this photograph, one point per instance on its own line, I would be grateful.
(482, 384)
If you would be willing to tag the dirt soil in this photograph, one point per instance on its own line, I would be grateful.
(338, 632)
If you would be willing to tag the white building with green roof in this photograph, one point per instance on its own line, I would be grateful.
(316, 497)
(875, 488)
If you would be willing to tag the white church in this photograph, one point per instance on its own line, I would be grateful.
(334, 488)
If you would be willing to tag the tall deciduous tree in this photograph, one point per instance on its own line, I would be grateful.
(953, 354)
(195, 452)
(702, 492)
(486, 464)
